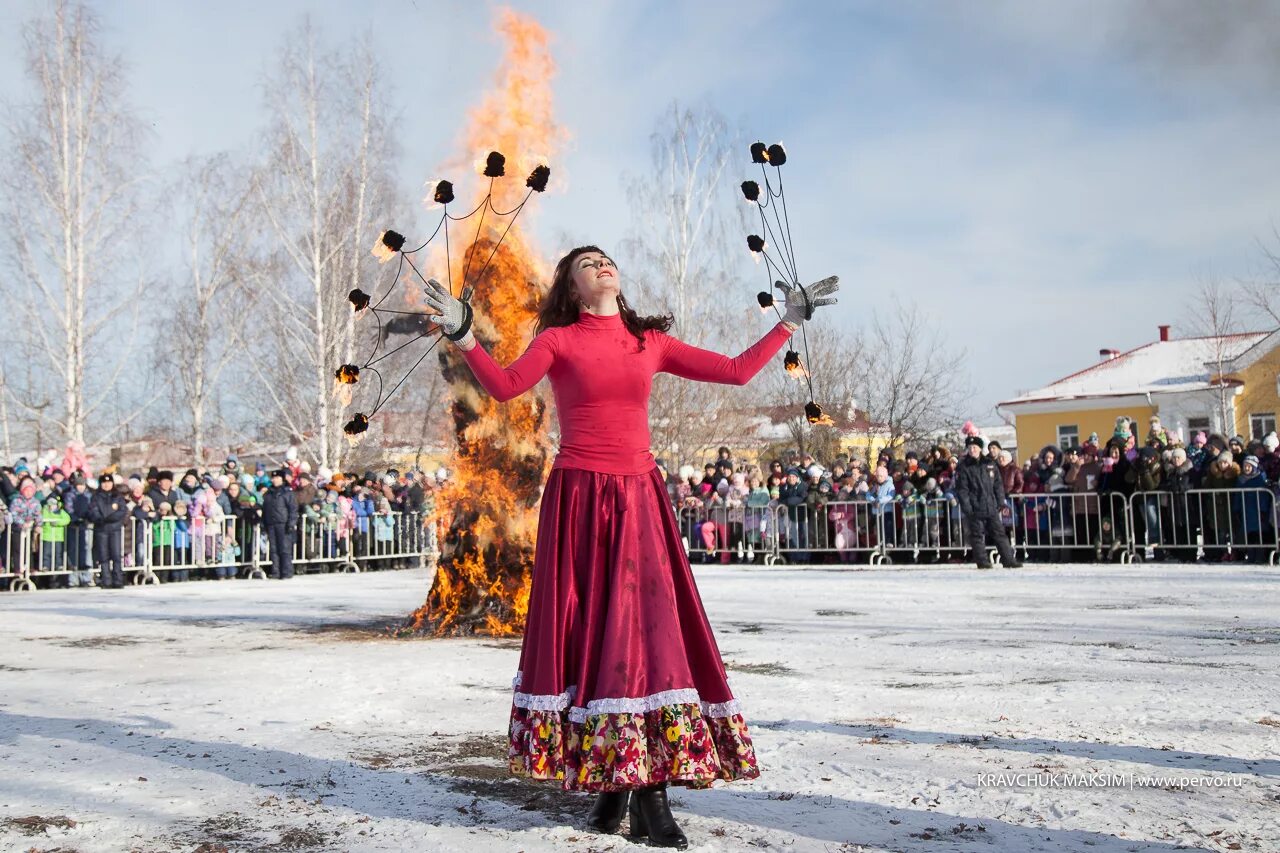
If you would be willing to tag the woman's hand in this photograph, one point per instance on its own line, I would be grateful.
(453, 315)
(802, 300)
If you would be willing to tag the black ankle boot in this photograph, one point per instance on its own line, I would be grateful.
(608, 811)
(651, 816)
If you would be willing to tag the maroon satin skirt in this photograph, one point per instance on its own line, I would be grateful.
(621, 684)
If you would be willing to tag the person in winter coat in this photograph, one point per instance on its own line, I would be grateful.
(1253, 510)
(883, 495)
(1147, 476)
(1223, 473)
(916, 473)
(384, 527)
(362, 507)
(188, 488)
(280, 518)
(24, 518)
(794, 494)
(107, 512)
(79, 558)
(1083, 479)
(1183, 512)
(53, 537)
(980, 490)
(1157, 436)
(162, 540)
(842, 515)
(307, 491)
(1270, 457)
(164, 490)
(182, 551)
(736, 501)
(142, 515)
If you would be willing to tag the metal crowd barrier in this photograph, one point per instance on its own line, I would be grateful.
(230, 547)
(1068, 526)
(725, 532)
(1060, 526)
(1205, 523)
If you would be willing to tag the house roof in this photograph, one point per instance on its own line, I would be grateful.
(1164, 367)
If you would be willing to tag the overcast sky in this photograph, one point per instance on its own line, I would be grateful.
(1046, 179)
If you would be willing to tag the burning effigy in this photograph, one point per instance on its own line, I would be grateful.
(487, 509)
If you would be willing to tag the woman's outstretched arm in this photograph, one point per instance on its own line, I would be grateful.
(525, 372)
(690, 362)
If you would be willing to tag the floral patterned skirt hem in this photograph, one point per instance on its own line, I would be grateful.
(675, 744)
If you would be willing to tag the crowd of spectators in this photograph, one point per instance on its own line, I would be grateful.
(1072, 503)
(1074, 497)
(56, 516)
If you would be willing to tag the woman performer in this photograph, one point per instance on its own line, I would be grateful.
(621, 689)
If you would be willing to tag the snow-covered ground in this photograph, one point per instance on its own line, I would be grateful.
(258, 715)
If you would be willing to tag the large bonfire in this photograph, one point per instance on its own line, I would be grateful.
(490, 502)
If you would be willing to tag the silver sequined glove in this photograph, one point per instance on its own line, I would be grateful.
(800, 308)
(454, 315)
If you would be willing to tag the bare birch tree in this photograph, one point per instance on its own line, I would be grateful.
(681, 257)
(1214, 306)
(72, 192)
(325, 182)
(909, 381)
(216, 294)
(836, 360)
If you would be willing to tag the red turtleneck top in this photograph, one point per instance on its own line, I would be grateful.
(601, 380)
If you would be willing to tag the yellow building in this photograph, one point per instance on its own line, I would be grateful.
(1225, 384)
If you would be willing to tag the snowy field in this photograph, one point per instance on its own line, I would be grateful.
(267, 716)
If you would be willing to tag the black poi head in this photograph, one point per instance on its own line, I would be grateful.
(393, 240)
(813, 412)
(357, 425)
(537, 180)
(755, 242)
(359, 299)
(777, 154)
(751, 190)
(765, 298)
(495, 165)
(759, 153)
(443, 193)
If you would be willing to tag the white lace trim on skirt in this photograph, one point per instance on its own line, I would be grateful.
(642, 705)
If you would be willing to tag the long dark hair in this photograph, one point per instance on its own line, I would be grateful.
(560, 307)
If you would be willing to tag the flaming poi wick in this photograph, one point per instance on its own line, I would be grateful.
(356, 427)
(794, 367)
(777, 230)
(813, 412)
(389, 244)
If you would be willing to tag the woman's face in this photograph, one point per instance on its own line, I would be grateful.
(594, 275)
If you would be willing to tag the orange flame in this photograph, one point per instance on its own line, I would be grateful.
(483, 583)
(794, 366)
